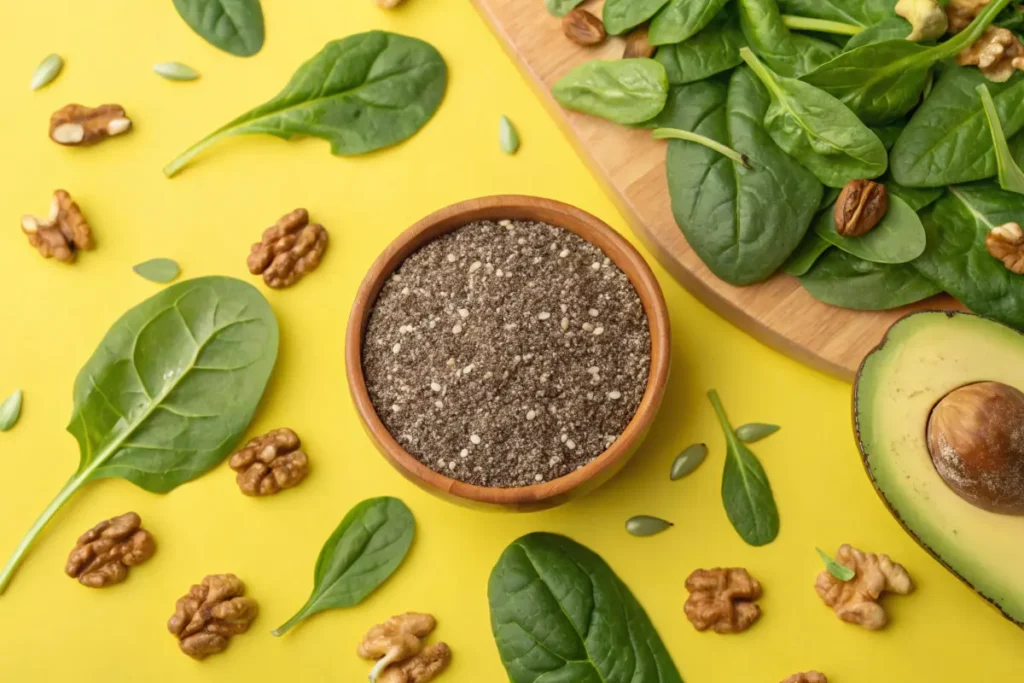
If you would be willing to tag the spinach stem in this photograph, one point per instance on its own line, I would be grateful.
(678, 134)
(820, 25)
(58, 502)
(716, 403)
(172, 169)
(970, 34)
(288, 625)
(1011, 178)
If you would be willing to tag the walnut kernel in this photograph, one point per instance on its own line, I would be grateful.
(102, 555)
(270, 463)
(61, 234)
(1006, 243)
(722, 600)
(807, 677)
(855, 601)
(396, 640)
(583, 28)
(861, 207)
(638, 45)
(962, 12)
(76, 124)
(290, 249)
(210, 613)
(998, 53)
(426, 666)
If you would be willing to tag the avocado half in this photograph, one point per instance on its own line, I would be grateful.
(924, 357)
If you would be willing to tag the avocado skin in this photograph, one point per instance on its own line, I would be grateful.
(1017, 619)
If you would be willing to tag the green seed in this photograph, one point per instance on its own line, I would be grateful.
(46, 71)
(508, 136)
(176, 71)
(161, 270)
(689, 460)
(755, 431)
(10, 410)
(644, 525)
(840, 571)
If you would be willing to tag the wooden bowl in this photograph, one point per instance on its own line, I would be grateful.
(591, 229)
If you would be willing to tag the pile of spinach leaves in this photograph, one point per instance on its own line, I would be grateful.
(812, 94)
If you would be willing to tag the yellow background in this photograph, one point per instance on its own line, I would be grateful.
(52, 628)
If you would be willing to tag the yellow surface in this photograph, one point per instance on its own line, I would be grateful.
(51, 628)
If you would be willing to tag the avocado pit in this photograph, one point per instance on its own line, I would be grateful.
(976, 442)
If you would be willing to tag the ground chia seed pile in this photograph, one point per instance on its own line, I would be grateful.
(507, 354)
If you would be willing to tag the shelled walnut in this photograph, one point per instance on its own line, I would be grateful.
(962, 12)
(397, 645)
(270, 463)
(856, 600)
(77, 124)
(998, 54)
(290, 249)
(103, 555)
(63, 233)
(1006, 243)
(210, 613)
(722, 600)
(807, 677)
(425, 666)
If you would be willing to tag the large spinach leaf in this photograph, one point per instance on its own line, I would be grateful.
(560, 8)
(898, 238)
(790, 54)
(947, 142)
(714, 50)
(621, 15)
(626, 91)
(235, 26)
(841, 279)
(956, 257)
(361, 554)
(559, 613)
(860, 12)
(818, 130)
(881, 82)
(169, 391)
(361, 93)
(806, 255)
(743, 223)
(917, 197)
(896, 28)
(681, 19)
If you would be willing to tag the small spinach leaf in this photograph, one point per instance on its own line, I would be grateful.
(681, 19)
(235, 26)
(170, 390)
(818, 130)
(898, 238)
(790, 54)
(713, 50)
(860, 12)
(746, 493)
(840, 571)
(626, 91)
(560, 8)
(841, 279)
(160, 270)
(956, 257)
(362, 553)
(10, 410)
(806, 255)
(895, 28)
(621, 15)
(361, 93)
(1011, 178)
(559, 613)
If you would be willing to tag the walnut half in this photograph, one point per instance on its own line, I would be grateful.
(425, 666)
(76, 124)
(397, 645)
(270, 463)
(290, 249)
(722, 600)
(103, 554)
(210, 613)
(856, 600)
(61, 234)
(1006, 243)
(998, 54)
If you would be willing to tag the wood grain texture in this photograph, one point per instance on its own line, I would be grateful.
(631, 165)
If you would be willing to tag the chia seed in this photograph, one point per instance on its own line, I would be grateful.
(527, 396)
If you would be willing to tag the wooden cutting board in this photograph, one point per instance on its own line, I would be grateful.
(632, 167)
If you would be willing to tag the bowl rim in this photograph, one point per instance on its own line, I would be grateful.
(498, 207)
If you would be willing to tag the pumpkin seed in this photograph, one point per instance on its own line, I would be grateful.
(755, 431)
(176, 71)
(508, 136)
(645, 525)
(689, 460)
(840, 571)
(161, 270)
(10, 410)
(46, 71)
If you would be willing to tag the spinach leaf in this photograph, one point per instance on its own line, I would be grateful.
(889, 134)
(560, 8)
(956, 257)
(790, 54)
(841, 279)
(169, 391)
(742, 223)
(626, 91)
(681, 19)
(881, 82)
(746, 493)
(362, 553)
(860, 12)
(895, 28)
(559, 613)
(1011, 178)
(361, 93)
(621, 15)
(947, 142)
(917, 197)
(159, 270)
(806, 255)
(235, 26)
(713, 50)
(818, 130)
(840, 571)
(10, 410)
(898, 238)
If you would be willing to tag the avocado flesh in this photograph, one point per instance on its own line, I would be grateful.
(924, 357)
